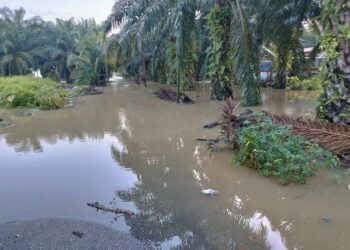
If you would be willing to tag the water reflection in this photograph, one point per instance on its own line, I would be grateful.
(172, 212)
(261, 226)
(141, 153)
(159, 223)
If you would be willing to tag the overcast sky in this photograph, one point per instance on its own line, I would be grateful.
(51, 9)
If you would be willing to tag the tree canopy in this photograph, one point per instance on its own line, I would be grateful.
(180, 41)
(67, 50)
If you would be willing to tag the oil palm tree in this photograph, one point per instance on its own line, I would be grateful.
(91, 65)
(175, 23)
(220, 64)
(15, 52)
(336, 41)
(279, 24)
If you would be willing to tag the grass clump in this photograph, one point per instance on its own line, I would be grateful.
(31, 92)
(273, 151)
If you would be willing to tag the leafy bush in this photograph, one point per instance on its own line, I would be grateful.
(294, 83)
(31, 92)
(274, 151)
(311, 83)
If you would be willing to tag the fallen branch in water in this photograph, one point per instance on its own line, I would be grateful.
(171, 95)
(98, 206)
(208, 140)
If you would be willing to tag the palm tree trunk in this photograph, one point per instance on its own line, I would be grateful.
(178, 86)
(221, 79)
(335, 101)
(220, 90)
(280, 81)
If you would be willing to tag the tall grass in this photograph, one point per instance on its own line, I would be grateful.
(31, 92)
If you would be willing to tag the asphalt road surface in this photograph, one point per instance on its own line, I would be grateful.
(64, 234)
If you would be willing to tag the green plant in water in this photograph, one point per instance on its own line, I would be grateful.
(31, 92)
(273, 151)
(311, 83)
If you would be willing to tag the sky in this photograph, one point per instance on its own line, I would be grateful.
(65, 9)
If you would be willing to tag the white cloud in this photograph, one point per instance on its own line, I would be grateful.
(52, 9)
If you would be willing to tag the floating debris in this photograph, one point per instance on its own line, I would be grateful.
(98, 206)
(210, 191)
(91, 91)
(26, 112)
(171, 95)
(78, 234)
(5, 124)
(326, 219)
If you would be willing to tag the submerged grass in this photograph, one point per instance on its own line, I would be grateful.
(31, 92)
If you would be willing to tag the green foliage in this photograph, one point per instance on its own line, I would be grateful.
(273, 151)
(311, 83)
(220, 58)
(199, 30)
(334, 101)
(220, 50)
(294, 83)
(225, 36)
(15, 50)
(28, 45)
(31, 92)
(92, 64)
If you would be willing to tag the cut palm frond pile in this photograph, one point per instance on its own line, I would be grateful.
(172, 96)
(332, 137)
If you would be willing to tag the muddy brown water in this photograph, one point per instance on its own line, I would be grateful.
(130, 150)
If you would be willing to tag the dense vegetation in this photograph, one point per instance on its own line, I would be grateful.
(185, 40)
(180, 42)
(336, 42)
(310, 83)
(274, 151)
(31, 92)
(67, 50)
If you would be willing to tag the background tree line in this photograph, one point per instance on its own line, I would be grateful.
(65, 50)
(181, 41)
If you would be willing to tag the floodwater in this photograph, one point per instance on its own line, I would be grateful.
(129, 150)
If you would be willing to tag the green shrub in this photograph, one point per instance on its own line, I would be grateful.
(311, 83)
(274, 151)
(294, 83)
(31, 92)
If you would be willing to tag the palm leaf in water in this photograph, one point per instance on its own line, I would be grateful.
(332, 137)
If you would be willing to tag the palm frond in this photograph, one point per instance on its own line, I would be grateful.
(332, 137)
